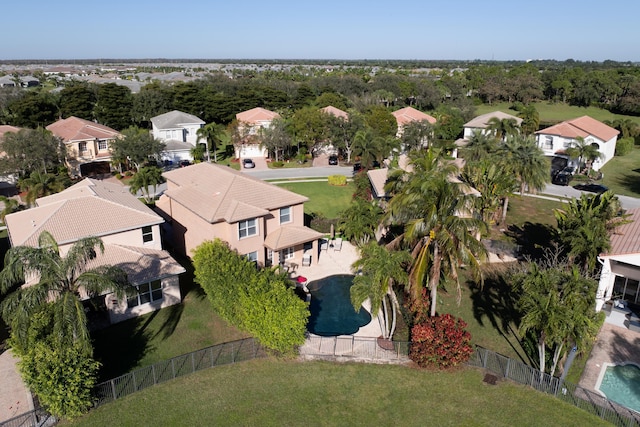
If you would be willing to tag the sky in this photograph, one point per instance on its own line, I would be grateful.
(348, 29)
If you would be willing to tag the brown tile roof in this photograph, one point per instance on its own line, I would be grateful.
(76, 129)
(7, 128)
(218, 193)
(256, 115)
(78, 212)
(410, 114)
(483, 120)
(142, 265)
(626, 239)
(335, 112)
(581, 127)
(378, 177)
(290, 235)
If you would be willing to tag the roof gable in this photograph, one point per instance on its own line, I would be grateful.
(482, 121)
(581, 127)
(175, 119)
(336, 112)
(77, 129)
(256, 115)
(410, 114)
(218, 193)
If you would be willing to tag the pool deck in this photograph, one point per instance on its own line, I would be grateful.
(614, 345)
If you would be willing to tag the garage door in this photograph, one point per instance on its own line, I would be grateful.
(252, 150)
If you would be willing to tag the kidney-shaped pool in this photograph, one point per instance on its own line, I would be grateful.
(331, 311)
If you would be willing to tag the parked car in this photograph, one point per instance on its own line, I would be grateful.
(248, 164)
(357, 167)
(184, 163)
(333, 160)
(592, 188)
(561, 179)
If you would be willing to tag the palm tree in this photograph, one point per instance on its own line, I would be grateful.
(494, 182)
(148, 176)
(10, 206)
(530, 119)
(502, 128)
(585, 153)
(40, 184)
(360, 221)
(379, 269)
(434, 212)
(60, 280)
(527, 162)
(479, 147)
(369, 147)
(212, 133)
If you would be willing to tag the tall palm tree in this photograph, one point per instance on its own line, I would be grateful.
(10, 206)
(527, 162)
(480, 146)
(212, 133)
(434, 212)
(379, 269)
(148, 176)
(502, 128)
(494, 182)
(530, 119)
(585, 153)
(360, 221)
(60, 280)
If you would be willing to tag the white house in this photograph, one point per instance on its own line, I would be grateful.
(620, 276)
(555, 140)
(251, 121)
(179, 131)
(481, 123)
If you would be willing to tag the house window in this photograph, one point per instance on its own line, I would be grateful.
(548, 142)
(147, 234)
(286, 254)
(247, 228)
(82, 147)
(285, 215)
(252, 256)
(102, 145)
(149, 292)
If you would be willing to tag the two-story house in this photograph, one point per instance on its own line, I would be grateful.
(260, 220)
(407, 115)
(87, 145)
(555, 140)
(482, 123)
(249, 124)
(179, 132)
(129, 230)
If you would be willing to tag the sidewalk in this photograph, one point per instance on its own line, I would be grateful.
(15, 399)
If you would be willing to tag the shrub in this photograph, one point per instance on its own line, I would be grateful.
(118, 175)
(128, 174)
(277, 164)
(440, 342)
(338, 180)
(624, 146)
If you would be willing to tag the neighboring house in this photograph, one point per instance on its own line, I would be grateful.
(29, 81)
(327, 147)
(620, 276)
(249, 124)
(11, 179)
(7, 81)
(87, 145)
(481, 123)
(131, 235)
(406, 115)
(258, 219)
(555, 140)
(179, 131)
(336, 112)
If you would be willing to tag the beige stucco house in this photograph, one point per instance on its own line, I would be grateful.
(250, 123)
(620, 275)
(87, 145)
(129, 230)
(407, 115)
(260, 220)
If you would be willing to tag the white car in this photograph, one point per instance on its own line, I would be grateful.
(248, 164)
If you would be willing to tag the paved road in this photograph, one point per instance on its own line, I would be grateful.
(569, 192)
(314, 172)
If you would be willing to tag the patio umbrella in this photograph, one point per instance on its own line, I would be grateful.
(333, 232)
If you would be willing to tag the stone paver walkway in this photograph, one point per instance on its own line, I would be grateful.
(14, 397)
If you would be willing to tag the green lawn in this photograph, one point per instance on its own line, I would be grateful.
(327, 199)
(270, 392)
(622, 174)
(553, 113)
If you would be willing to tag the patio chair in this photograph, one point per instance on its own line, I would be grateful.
(337, 244)
(324, 245)
(306, 260)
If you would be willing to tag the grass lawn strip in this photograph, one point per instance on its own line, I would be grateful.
(273, 393)
(327, 199)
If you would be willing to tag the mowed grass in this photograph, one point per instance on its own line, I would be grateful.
(269, 392)
(622, 174)
(556, 112)
(327, 199)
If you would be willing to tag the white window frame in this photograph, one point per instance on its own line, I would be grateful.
(103, 145)
(82, 147)
(548, 142)
(286, 212)
(147, 233)
(146, 294)
(249, 227)
(252, 256)
(287, 254)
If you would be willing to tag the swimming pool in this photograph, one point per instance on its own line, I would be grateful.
(621, 383)
(331, 310)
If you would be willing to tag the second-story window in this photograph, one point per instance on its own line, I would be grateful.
(82, 148)
(285, 215)
(103, 145)
(247, 228)
(147, 234)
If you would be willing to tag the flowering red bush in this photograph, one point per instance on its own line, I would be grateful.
(440, 342)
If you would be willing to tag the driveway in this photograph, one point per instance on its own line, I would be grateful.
(260, 162)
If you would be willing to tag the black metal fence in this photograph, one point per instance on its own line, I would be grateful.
(587, 400)
(36, 417)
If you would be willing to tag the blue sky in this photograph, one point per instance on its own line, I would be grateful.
(347, 29)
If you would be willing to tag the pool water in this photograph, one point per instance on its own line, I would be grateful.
(621, 383)
(331, 311)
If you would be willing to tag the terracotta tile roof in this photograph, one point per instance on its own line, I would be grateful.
(7, 128)
(256, 115)
(290, 235)
(142, 265)
(581, 127)
(78, 212)
(483, 120)
(215, 192)
(76, 129)
(626, 240)
(378, 177)
(335, 112)
(410, 114)
(175, 119)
